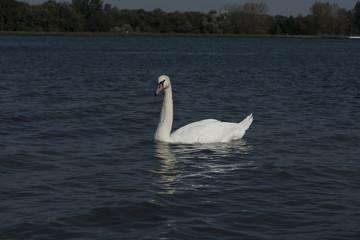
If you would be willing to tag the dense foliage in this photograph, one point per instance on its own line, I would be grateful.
(250, 18)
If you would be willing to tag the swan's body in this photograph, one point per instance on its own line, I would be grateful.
(205, 131)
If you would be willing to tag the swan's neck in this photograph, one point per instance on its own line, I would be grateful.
(166, 118)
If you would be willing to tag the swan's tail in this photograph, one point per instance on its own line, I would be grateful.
(245, 124)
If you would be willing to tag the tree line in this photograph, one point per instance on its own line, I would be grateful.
(250, 18)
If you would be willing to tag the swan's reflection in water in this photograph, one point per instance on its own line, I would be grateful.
(180, 162)
(214, 150)
(167, 173)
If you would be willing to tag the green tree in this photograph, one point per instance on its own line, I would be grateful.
(209, 23)
(14, 15)
(195, 19)
(278, 25)
(321, 17)
(356, 18)
(180, 23)
(302, 25)
(95, 17)
(237, 17)
(76, 5)
(251, 18)
(342, 23)
(224, 22)
(158, 21)
(69, 19)
(257, 17)
(42, 18)
(329, 19)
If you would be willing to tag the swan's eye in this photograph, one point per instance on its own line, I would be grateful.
(162, 82)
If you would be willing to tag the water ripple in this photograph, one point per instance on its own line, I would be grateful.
(77, 160)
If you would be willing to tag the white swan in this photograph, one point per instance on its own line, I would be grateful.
(205, 131)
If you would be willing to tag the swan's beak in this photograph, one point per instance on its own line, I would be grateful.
(159, 88)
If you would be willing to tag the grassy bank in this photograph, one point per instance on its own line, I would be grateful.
(114, 34)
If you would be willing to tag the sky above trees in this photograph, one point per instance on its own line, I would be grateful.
(276, 7)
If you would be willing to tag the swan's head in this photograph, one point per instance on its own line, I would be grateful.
(163, 83)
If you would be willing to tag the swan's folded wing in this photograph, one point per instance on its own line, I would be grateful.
(210, 131)
(205, 131)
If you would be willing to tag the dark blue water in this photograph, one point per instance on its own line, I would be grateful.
(77, 160)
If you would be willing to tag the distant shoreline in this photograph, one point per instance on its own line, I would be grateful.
(138, 34)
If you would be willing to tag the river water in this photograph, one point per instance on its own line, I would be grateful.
(77, 159)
